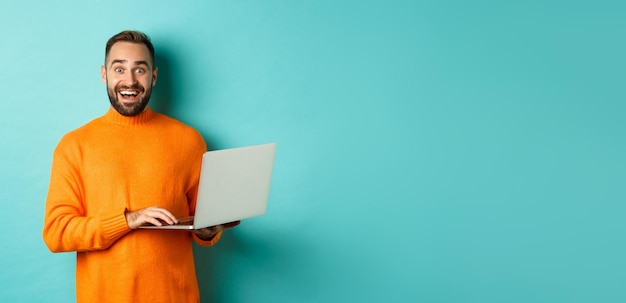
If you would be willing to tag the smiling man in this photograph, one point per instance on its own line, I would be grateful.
(128, 168)
(129, 77)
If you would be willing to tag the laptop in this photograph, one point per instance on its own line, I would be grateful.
(234, 185)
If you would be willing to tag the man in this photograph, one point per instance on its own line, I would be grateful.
(125, 169)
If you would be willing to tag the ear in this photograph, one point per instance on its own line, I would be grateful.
(155, 71)
(103, 74)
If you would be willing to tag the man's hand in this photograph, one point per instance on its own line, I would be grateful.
(209, 232)
(151, 215)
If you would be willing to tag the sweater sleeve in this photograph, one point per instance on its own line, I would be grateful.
(209, 242)
(66, 225)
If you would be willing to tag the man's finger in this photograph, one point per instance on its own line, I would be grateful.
(161, 213)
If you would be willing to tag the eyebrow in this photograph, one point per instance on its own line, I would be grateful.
(140, 62)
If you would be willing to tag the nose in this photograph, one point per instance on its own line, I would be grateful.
(130, 78)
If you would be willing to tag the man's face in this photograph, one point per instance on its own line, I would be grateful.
(129, 77)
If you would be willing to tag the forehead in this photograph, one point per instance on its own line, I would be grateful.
(129, 52)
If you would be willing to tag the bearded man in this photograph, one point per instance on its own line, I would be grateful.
(130, 167)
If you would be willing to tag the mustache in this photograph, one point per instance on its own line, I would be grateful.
(133, 87)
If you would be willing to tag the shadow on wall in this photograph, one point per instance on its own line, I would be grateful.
(166, 94)
(212, 267)
(248, 258)
(163, 93)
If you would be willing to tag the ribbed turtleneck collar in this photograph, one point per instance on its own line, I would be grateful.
(114, 117)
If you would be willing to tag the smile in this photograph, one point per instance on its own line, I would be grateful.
(129, 95)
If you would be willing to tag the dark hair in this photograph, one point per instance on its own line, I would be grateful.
(130, 36)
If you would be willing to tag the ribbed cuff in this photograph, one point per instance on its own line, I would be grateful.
(114, 227)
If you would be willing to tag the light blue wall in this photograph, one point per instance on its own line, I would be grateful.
(429, 151)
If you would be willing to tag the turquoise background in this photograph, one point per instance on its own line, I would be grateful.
(428, 151)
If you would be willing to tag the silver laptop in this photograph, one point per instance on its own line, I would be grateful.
(234, 185)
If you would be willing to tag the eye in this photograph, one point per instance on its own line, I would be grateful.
(118, 70)
(140, 70)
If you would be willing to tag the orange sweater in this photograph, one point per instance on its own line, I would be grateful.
(115, 164)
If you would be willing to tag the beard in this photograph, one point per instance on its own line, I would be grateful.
(129, 109)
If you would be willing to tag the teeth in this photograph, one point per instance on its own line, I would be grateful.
(128, 93)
